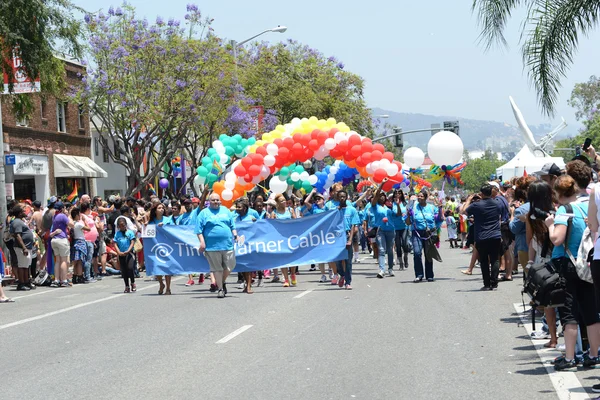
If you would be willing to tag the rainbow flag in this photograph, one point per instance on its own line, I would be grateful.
(216, 168)
(74, 195)
(151, 190)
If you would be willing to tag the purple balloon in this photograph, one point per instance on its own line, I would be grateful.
(163, 183)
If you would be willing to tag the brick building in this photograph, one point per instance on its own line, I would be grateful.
(52, 148)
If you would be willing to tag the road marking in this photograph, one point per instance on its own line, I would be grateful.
(69, 295)
(234, 334)
(75, 307)
(33, 294)
(565, 383)
(303, 293)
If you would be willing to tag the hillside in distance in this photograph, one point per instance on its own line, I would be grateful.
(476, 134)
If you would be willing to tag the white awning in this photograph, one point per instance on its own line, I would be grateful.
(76, 167)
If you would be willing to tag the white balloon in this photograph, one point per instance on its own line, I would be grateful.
(413, 157)
(445, 148)
(295, 176)
(199, 180)
(370, 170)
(217, 144)
(384, 163)
(333, 171)
(329, 143)
(339, 136)
(272, 149)
(230, 177)
(269, 160)
(320, 156)
(375, 165)
(277, 185)
(313, 179)
(242, 181)
(304, 176)
(265, 171)
(296, 121)
(227, 194)
(230, 185)
(257, 179)
(391, 169)
(223, 158)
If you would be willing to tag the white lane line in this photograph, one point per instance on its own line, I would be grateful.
(34, 294)
(69, 295)
(234, 334)
(565, 383)
(75, 307)
(303, 293)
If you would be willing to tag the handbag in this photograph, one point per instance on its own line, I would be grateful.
(372, 234)
(430, 235)
(137, 245)
(545, 285)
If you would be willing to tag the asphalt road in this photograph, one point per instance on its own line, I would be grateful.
(386, 339)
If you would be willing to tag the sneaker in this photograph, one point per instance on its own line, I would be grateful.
(22, 287)
(419, 279)
(201, 279)
(259, 282)
(539, 335)
(589, 361)
(380, 275)
(323, 278)
(596, 388)
(242, 285)
(561, 347)
(356, 261)
(213, 287)
(286, 283)
(391, 272)
(484, 288)
(348, 287)
(330, 274)
(127, 290)
(220, 294)
(563, 365)
(65, 284)
(224, 289)
(276, 279)
(341, 281)
(134, 288)
(90, 280)
(294, 281)
(190, 282)
(430, 279)
(334, 281)
(54, 284)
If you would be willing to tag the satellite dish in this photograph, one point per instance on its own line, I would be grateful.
(546, 144)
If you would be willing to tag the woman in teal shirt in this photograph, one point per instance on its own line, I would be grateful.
(385, 230)
(158, 217)
(423, 218)
(401, 237)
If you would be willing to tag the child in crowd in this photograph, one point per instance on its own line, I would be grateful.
(451, 226)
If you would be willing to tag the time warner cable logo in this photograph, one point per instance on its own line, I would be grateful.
(162, 251)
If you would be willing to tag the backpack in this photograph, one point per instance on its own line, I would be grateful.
(585, 252)
(42, 278)
(47, 219)
(544, 285)
(6, 233)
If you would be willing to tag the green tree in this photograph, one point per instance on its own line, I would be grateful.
(550, 33)
(295, 80)
(479, 170)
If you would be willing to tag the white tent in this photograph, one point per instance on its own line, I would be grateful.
(525, 160)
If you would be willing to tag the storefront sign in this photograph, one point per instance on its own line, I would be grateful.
(31, 165)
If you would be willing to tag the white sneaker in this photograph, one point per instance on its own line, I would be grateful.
(391, 272)
(323, 278)
(355, 260)
(330, 274)
(242, 285)
(538, 335)
(561, 347)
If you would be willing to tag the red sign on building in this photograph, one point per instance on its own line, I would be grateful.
(21, 83)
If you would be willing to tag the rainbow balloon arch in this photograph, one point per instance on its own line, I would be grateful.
(283, 153)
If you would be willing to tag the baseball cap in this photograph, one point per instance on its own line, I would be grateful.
(186, 201)
(494, 184)
(195, 200)
(318, 195)
(549, 169)
(59, 205)
(52, 200)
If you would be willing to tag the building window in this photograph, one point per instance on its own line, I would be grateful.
(22, 122)
(65, 186)
(116, 149)
(81, 117)
(61, 122)
(44, 108)
(105, 155)
(96, 146)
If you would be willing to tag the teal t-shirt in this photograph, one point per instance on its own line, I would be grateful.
(185, 219)
(424, 217)
(379, 213)
(246, 218)
(399, 221)
(216, 226)
(123, 239)
(164, 220)
(580, 210)
(350, 217)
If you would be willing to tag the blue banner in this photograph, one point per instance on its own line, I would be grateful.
(264, 244)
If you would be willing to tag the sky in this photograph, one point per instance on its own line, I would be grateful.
(415, 56)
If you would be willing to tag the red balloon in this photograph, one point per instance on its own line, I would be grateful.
(342, 146)
(356, 150)
(246, 162)
(314, 145)
(284, 153)
(304, 139)
(254, 170)
(297, 137)
(258, 160)
(388, 156)
(323, 137)
(360, 162)
(366, 146)
(248, 178)
(315, 134)
(334, 130)
(288, 142)
(335, 153)
(262, 150)
(379, 175)
(376, 155)
(297, 150)
(388, 186)
(240, 170)
(380, 147)
(354, 140)
(278, 142)
(366, 157)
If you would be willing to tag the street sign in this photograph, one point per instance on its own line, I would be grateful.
(10, 159)
(22, 83)
(451, 126)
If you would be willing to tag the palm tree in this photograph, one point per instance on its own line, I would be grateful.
(550, 35)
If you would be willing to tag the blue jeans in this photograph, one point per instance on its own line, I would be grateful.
(385, 242)
(418, 258)
(346, 271)
(112, 271)
(87, 265)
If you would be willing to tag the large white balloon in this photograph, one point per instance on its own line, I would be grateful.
(295, 176)
(227, 195)
(277, 186)
(329, 143)
(313, 179)
(272, 149)
(229, 185)
(269, 160)
(413, 157)
(199, 180)
(445, 148)
(391, 169)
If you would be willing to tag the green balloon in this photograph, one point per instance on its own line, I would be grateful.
(307, 186)
(223, 138)
(211, 178)
(251, 141)
(215, 157)
(284, 172)
(299, 169)
(237, 137)
(202, 171)
(297, 184)
(290, 181)
(211, 151)
(230, 151)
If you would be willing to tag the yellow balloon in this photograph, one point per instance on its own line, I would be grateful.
(313, 119)
(331, 121)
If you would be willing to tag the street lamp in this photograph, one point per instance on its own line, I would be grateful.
(235, 45)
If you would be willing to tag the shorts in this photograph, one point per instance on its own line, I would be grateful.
(101, 247)
(61, 247)
(220, 260)
(580, 299)
(24, 261)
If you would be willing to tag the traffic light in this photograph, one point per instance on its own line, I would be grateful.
(398, 140)
(452, 126)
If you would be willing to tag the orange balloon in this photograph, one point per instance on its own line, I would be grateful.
(363, 172)
(227, 203)
(218, 187)
(351, 163)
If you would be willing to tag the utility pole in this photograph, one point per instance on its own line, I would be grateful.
(3, 210)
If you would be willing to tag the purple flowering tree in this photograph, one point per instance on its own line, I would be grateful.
(150, 85)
